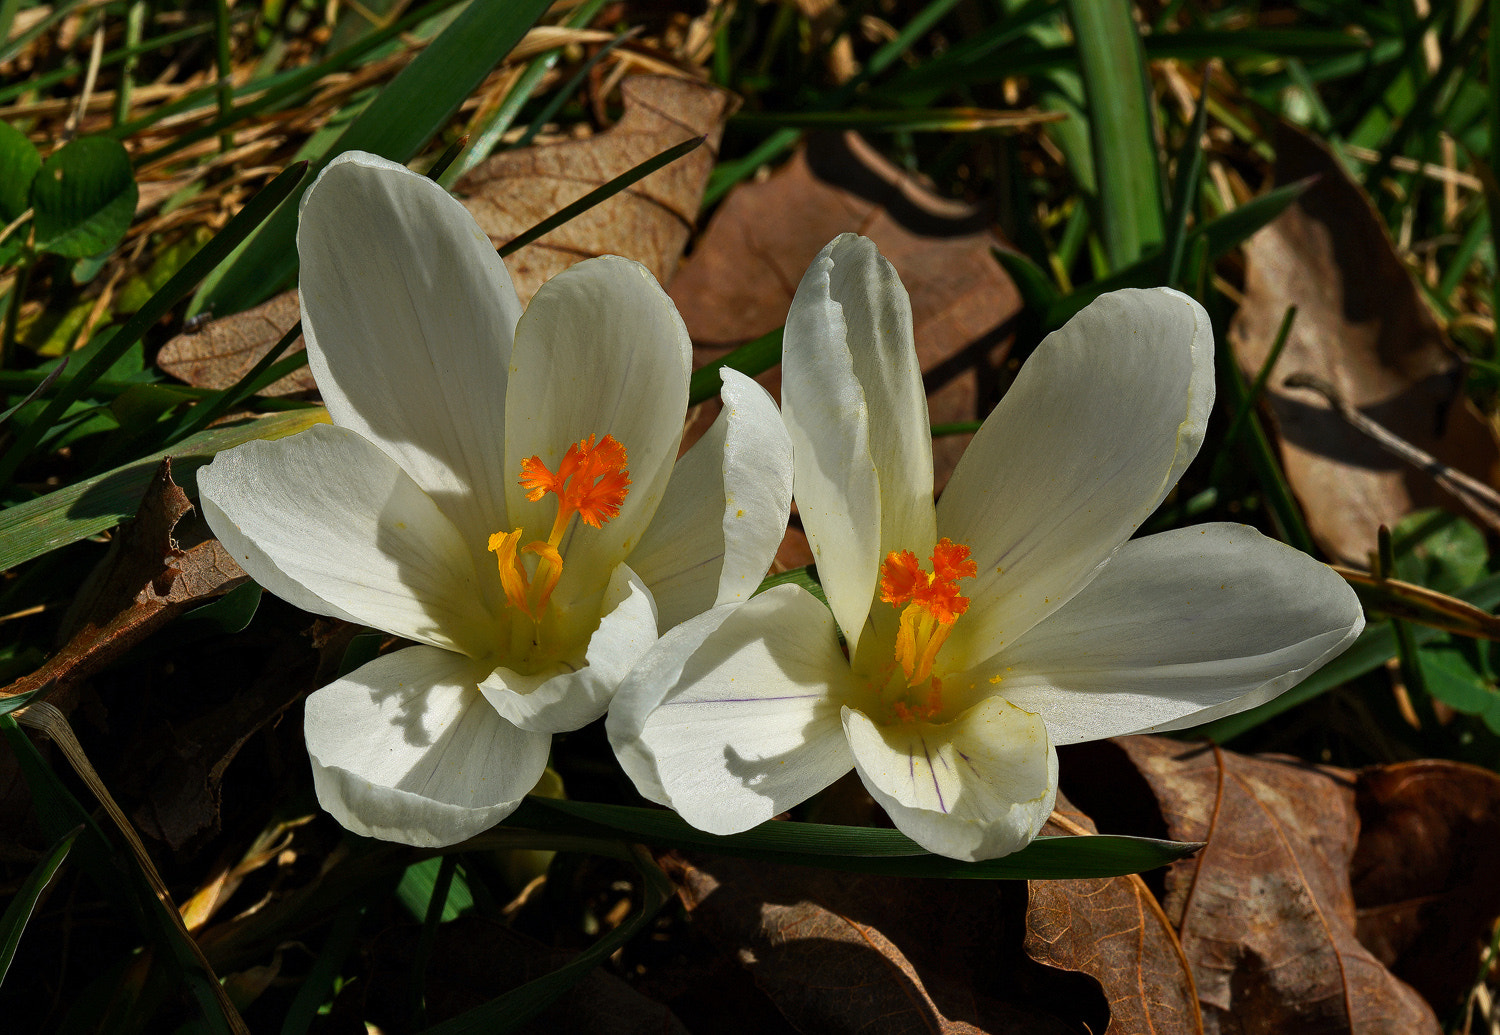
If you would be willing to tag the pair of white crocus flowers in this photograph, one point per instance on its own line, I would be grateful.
(503, 489)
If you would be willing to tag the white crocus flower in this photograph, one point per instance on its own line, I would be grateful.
(1011, 617)
(498, 487)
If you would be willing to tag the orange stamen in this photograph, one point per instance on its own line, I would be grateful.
(591, 481)
(932, 604)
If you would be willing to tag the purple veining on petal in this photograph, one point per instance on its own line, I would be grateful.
(927, 754)
(969, 762)
(744, 700)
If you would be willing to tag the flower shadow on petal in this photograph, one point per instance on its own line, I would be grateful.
(755, 728)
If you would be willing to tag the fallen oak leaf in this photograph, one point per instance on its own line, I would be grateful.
(1363, 327)
(1265, 912)
(220, 352)
(1482, 500)
(857, 954)
(650, 222)
(1113, 930)
(510, 193)
(1423, 872)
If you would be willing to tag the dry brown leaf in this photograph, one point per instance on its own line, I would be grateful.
(1265, 912)
(221, 352)
(650, 222)
(739, 281)
(1424, 872)
(145, 580)
(1113, 930)
(512, 192)
(856, 953)
(1363, 327)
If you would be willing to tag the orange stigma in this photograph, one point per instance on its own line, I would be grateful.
(590, 481)
(932, 604)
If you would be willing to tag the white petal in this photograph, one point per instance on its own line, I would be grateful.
(600, 351)
(1177, 629)
(978, 787)
(1096, 430)
(409, 317)
(877, 321)
(734, 716)
(405, 749)
(725, 509)
(570, 700)
(828, 418)
(329, 522)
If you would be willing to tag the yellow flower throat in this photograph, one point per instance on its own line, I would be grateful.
(592, 482)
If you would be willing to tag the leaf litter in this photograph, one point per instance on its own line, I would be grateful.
(1313, 881)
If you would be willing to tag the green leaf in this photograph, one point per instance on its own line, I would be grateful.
(89, 507)
(1217, 237)
(19, 164)
(857, 849)
(18, 913)
(420, 881)
(1452, 679)
(16, 702)
(1439, 550)
(231, 613)
(121, 341)
(751, 358)
(84, 198)
(1123, 140)
(395, 125)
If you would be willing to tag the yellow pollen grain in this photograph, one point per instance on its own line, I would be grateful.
(996, 679)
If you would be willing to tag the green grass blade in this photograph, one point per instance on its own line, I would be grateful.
(727, 174)
(73, 388)
(93, 505)
(395, 125)
(317, 987)
(857, 849)
(253, 380)
(1185, 189)
(58, 812)
(1123, 139)
(600, 194)
(751, 358)
(279, 90)
(1216, 237)
(23, 903)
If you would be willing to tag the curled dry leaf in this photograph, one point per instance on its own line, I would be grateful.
(649, 222)
(1113, 930)
(147, 578)
(739, 282)
(1265, 912)
(1424, 872)
(1363, 327)
(512, 192)
(838, 952)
